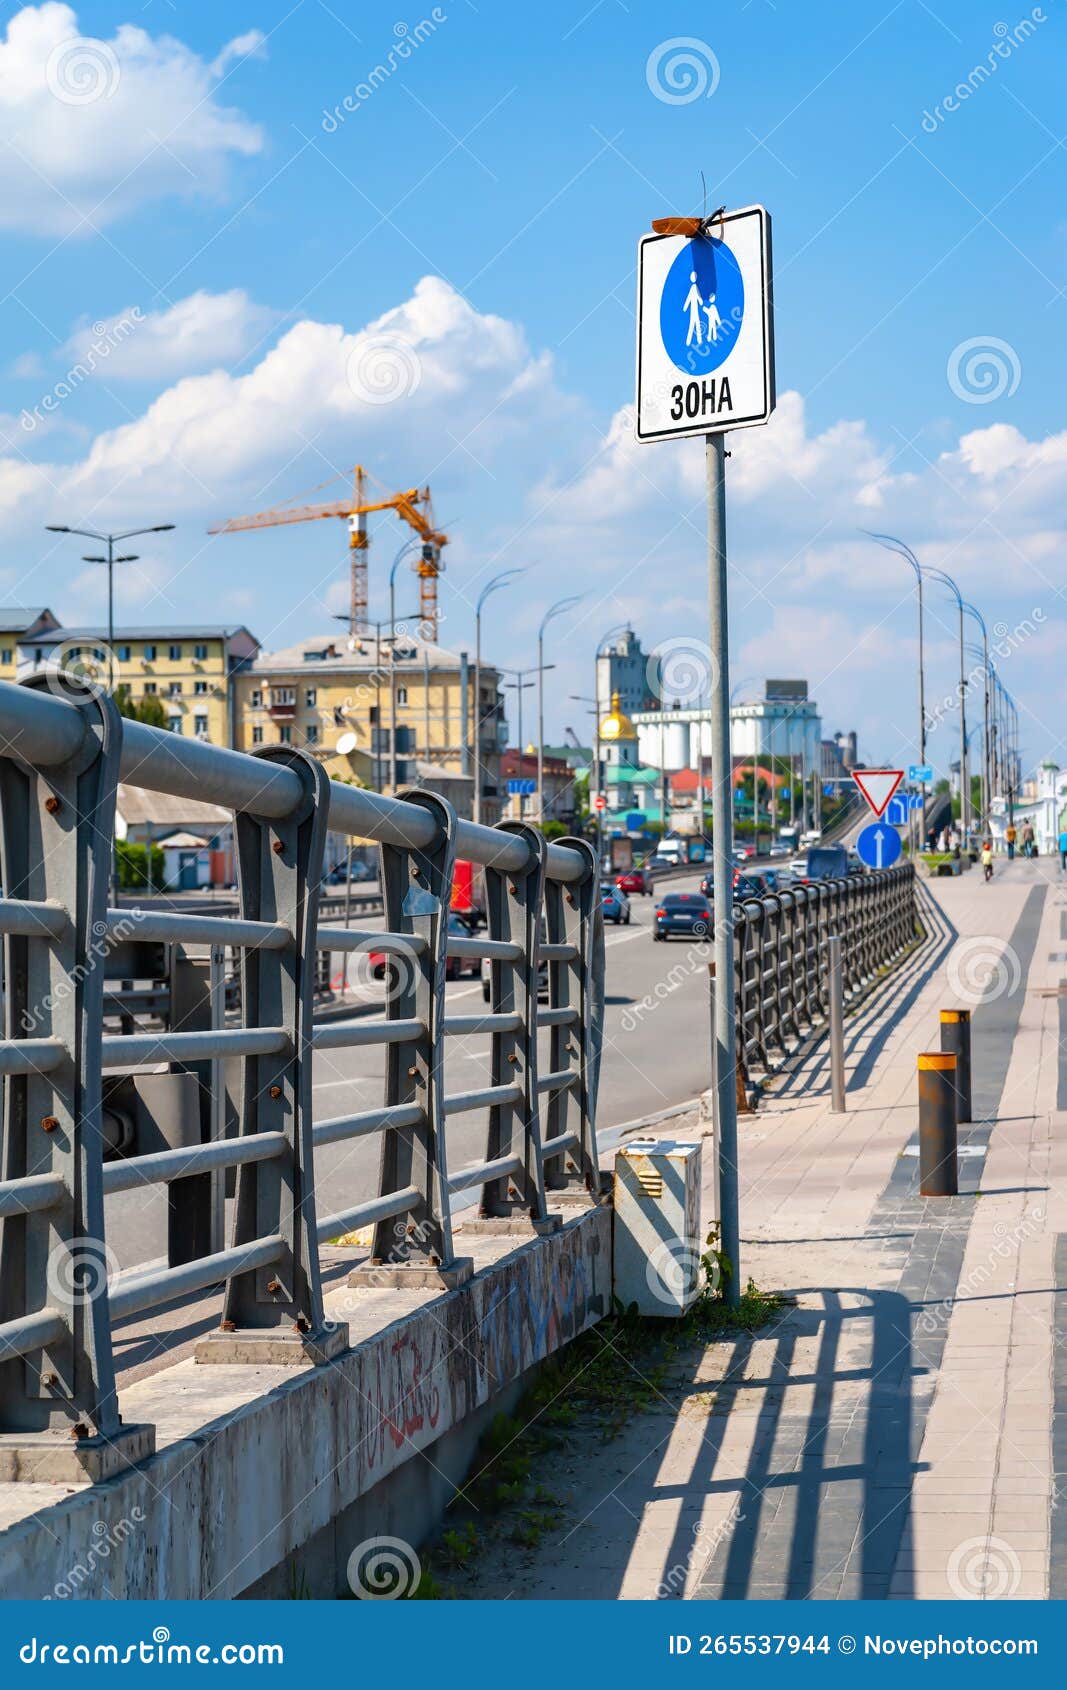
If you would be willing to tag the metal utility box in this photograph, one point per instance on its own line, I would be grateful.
(657, 1240)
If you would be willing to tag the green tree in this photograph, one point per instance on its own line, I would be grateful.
(148, 709)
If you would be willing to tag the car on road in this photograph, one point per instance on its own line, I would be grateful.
(615, 905)
(743, 852)
(359, 870)
(455, 966)
(636, 880)
(687, 913)
(750, 883)
(542, 974)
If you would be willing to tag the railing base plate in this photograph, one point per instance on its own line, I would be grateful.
(273, 1347)
(511, 1226)
(55, 1458)
(414, 1276)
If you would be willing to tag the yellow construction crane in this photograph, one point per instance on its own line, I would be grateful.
(414, 507)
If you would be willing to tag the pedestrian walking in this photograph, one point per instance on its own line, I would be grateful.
(1010, 838)
(1063, 850)
(1029, 848)
(987, 859)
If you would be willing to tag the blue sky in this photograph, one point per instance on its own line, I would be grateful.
(205, 200)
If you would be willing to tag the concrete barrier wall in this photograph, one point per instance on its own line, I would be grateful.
(253, 1463)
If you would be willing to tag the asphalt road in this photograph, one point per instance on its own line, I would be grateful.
(656, 1053)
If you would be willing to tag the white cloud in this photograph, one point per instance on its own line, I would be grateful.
(436, 390)
(93, 128)
(197, 333)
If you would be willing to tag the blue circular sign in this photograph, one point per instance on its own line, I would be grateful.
(878, 845)
(701, 307)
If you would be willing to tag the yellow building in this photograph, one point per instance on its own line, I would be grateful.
(191, 670)
(343, 697)
(16, 626)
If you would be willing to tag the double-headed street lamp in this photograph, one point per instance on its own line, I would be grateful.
(551, 613)
(987, 772)
(110, 540)
(892, 545)
(498, 581)
(519, 685)
(965, 785)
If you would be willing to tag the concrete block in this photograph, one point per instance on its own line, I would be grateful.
(511, 1226)
(276, 1347)
(411, 1276)
(57, 1458)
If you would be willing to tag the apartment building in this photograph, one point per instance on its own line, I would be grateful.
(190, 669)
(377, 711)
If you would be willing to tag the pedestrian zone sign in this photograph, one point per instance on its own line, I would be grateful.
(705, 339)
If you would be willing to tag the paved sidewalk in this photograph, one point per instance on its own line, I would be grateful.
(901, 1430)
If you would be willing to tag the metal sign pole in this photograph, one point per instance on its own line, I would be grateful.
(722, 869)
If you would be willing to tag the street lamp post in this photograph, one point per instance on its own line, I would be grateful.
(898, 546)
(408, 546)
(551, 613)
(965, 785)
(986, 771)
(492, 586)
(110, 560)
(519, 685)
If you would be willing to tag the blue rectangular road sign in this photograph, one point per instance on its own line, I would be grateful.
(897, 811)
(828, 790)
(524, 788)
(915, 800)
(921, 772)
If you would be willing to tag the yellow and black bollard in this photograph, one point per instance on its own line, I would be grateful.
(956, 1037)
(937, 1124)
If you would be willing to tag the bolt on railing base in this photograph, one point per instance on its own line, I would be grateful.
(413, 1276)
(57, 1458)
(272, 1347)
(512, 1226)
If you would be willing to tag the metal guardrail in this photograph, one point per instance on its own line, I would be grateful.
(780, 955)
(62, 752)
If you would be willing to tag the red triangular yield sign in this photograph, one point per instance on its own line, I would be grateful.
(878, 786)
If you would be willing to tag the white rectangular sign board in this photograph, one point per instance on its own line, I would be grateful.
(705, 335)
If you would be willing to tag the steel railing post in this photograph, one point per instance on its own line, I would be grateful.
(574, 918)
(515, 909)
(835, 994)
(275, 1312)
(57, 840)
(416, 1246)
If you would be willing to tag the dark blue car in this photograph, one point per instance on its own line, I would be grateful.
(685, 913)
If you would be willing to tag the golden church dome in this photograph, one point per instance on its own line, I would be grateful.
(617, 725)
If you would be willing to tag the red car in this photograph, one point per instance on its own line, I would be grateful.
(455, 966)
(635, 880)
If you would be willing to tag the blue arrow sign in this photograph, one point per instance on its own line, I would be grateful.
(878, 845)
(524, 788)
(828, 790)
(921, 772)
(915, 801)
(897, 811)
